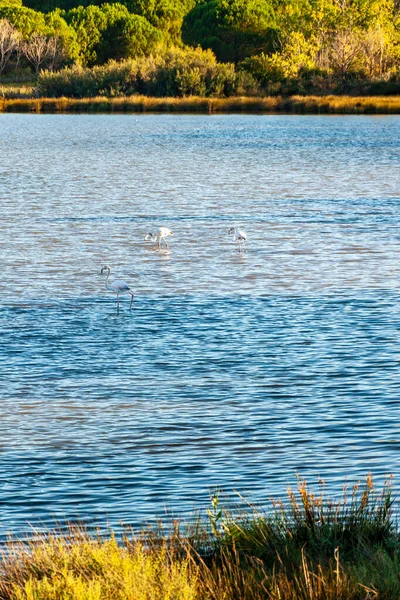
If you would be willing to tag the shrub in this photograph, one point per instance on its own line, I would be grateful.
(179, 72)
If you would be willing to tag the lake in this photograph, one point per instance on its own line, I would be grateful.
(232, 371)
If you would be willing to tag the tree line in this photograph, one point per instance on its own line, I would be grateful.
(272, 46)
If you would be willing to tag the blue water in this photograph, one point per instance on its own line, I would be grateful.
(233, 371)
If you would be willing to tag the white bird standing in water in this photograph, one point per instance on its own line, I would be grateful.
(239, 236)
(119, 286)
(162, 233)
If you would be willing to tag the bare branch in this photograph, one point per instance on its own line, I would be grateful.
(341, 52)
(43, 51)
(36, 50)
(56, 52)
(9, 41)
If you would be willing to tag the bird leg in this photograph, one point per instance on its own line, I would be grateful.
(117, 303)
(130, 306)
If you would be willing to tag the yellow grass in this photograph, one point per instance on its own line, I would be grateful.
(81, 568)
(17, 90)
(294, 104)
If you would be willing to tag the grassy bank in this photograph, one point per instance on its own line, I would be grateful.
(293, 104)
(307, 547)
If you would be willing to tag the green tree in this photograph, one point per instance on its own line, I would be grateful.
(233, 29)
(165, 15)
(67, 45)
(88, 23)
(126, 35)
(26, 20)
(110, 31)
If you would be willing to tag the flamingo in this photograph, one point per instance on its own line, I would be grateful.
(239, 236)
(161, 234)
(119, 286)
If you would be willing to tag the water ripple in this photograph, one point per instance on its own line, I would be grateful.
(232, 371)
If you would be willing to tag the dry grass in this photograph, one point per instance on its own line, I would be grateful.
(17, 90)
(193, 104)
(347, 104)
(307, 548)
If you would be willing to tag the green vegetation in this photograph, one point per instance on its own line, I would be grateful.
(233, 30)
(111, 32)
(203, 47)
(307, 548)
(176, 73)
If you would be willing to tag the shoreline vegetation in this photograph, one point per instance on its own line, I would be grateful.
(317, 56)
(307, 547)
(374, 105)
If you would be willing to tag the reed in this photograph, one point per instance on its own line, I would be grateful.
(194, 104)
(17, 90)
(307, 547)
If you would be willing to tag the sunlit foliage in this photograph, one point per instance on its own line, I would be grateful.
(281, 46)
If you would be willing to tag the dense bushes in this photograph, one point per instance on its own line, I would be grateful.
(285, 46)
(176, 73)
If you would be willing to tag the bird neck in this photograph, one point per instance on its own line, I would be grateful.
(107, 278)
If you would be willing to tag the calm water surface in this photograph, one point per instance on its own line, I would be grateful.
(232, 371)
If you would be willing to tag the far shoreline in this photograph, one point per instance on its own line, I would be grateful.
(328, 105)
